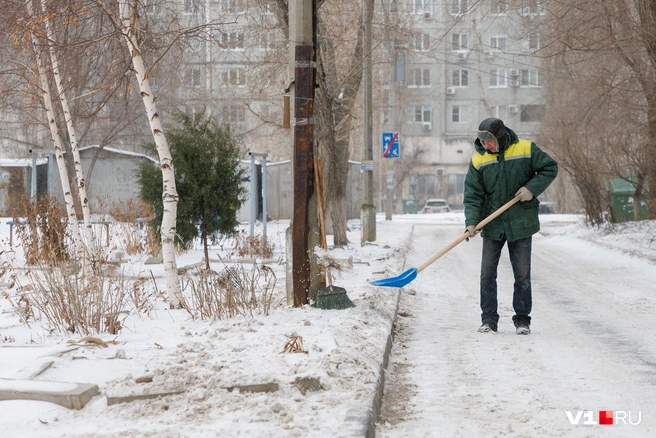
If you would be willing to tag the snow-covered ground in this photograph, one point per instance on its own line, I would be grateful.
(591, 348)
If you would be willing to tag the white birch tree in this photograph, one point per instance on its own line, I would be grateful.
(59, 149)
(126, 22)
(79, 172)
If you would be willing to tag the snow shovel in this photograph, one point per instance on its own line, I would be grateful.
(411, 274)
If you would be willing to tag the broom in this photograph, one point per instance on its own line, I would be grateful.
(330, 297)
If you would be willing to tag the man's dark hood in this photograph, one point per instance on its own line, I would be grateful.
(504, 135)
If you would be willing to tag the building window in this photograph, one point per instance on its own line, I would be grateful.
(422, 186)
(531, 78)
(497, 7)
(233, 5)
(192, 44)
(460, 78)
(419, 77)
(457, 7)
(419, 6)
(421, 42)
(152, 81)
(268, 39)
(269, 113)
(233, 114)
(460, 114)
(419, 114)
(532, 113)
(534, 41)
(192, 6)
(498, 78)
(234, 77)
(498, 42)
(533, 7)
(193, 77)
(498, 111)
(459, 41)
(267, 7)
(149, 7)
(232, 41)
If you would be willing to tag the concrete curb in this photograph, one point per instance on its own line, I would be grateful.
(128, 398)
(377, 402)
(380, 389)
(68, 395)
(363, 422)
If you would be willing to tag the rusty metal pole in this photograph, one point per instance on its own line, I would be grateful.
(303, 172)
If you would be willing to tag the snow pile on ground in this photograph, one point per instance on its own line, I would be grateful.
(229, 377)
(221, 366)
(633, 238)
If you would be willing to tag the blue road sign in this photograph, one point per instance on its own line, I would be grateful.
(391, 145)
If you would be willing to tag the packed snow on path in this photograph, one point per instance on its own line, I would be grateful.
(591, 348)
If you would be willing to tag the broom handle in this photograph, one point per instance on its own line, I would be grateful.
(465, 235)
(322, 225)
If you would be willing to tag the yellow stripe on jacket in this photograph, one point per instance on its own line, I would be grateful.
(521, 149)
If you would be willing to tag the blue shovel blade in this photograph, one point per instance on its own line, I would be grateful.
(398, 281)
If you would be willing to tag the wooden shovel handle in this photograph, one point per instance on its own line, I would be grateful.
(465, 235)
(318, 180)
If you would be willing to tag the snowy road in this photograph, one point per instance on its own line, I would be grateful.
(592, 346)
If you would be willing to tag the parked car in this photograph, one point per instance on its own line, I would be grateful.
(546, 207)
(436, 206)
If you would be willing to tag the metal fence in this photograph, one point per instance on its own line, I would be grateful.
(280, 191)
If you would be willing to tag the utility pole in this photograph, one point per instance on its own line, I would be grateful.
(304, 219)
(389, 193)
(368, 212)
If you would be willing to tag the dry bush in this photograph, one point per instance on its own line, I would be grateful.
(131, 231)
(7, 339)
(256, 246)
(153, 242)
(233, 291)
(61, 300)
(42, 229)
(131, 210)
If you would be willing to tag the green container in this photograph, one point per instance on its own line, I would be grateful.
(622, 192)
(411, 206)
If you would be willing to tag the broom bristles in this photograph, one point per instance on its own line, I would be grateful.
(333, 298)
(341, 301)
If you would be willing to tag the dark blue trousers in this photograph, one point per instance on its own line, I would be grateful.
(520, 259)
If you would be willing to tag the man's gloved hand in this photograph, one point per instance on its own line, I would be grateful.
(524, 194)
(471, 230)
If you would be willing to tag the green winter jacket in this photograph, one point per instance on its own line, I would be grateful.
(493, 180)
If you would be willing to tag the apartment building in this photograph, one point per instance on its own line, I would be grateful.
(459, 63)
(440, 67)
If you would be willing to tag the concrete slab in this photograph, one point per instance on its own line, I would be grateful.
(68, 395)
(258, 387)
(154, 261)
(28, 361)
(38, 366)
(115, 399)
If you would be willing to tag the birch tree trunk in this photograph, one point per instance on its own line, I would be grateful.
(169, 194)
(59, 150)
(79, 172)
